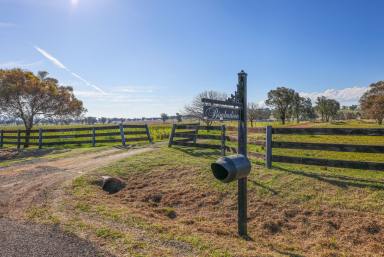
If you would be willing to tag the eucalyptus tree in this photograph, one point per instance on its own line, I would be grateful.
(30, 97)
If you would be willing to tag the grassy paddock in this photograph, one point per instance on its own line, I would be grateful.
(172, 206)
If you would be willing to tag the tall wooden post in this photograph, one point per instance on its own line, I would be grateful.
(1, 138)
(148, 134)
(223, 140)
(242, 149)
(40, 138)
(18, 139)
(122, 134)
(93, 137)
(172, 135)
(268, 147)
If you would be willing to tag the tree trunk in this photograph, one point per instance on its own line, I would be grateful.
(27, 137)
(380, 121)
(252, 123)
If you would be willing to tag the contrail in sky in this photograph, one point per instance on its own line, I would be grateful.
(59, 64)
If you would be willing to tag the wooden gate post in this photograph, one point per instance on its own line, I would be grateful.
(40, 138)
(1, 138)
(122, 134)
(172, 135)
(18, 139)
(196, 133)
(223, 140)
(148, 134)
(268, 147)
(93, 137)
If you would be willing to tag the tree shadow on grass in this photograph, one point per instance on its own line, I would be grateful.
(339, 180)
(269, 189)
(8, 154)
(198, 152)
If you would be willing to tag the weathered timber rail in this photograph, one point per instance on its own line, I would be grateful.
(378, 166)
(190, 134)
(188, 138)
(76, 136)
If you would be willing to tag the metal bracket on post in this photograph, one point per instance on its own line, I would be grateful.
(172, 135)
(40, 138)
(122, 134)
(93, 137)
(268, 147)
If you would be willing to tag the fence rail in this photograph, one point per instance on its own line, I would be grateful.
(88, 135)
(269, 157)
(330, 163)
(330, 131)
(188, 138)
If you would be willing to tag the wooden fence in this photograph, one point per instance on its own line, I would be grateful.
(86, 135)
(188, 135)
(270, 144)
(188, 138)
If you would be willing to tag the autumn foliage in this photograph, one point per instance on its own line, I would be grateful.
(27, 96)
(372, 102)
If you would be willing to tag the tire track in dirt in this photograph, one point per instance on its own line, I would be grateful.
(24, 185)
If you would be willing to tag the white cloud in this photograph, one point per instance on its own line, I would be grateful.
(7, 24)
(347, 95)
(262, 104)
(59, 64)
(135, 89)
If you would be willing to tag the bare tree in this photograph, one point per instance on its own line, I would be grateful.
(195, 109)
(257, 113)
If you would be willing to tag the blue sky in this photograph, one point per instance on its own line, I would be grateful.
(134, 58)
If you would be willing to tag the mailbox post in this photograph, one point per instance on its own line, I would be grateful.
(242, 149)
(236, 167)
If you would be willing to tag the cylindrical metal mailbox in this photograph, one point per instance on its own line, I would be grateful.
(231, 168)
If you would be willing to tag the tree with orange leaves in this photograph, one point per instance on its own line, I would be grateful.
(372, 102)
(27, 96)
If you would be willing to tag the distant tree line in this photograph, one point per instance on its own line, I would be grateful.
(285, 104)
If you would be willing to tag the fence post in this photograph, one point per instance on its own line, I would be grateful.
(40, 138)
(94, 137)
(196, 133)
(171, 135)
(18, 139)
(223, 140)
(268, 147)
(1, 138)
(148, 134)
(122, 134)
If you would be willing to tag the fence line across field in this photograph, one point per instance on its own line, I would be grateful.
(269, 144)
(91, 135)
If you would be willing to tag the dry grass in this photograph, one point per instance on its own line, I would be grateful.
(172, 206)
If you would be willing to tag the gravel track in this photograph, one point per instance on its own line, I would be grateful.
(23, 186)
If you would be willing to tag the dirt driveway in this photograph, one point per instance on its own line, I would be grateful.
(22, 186)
